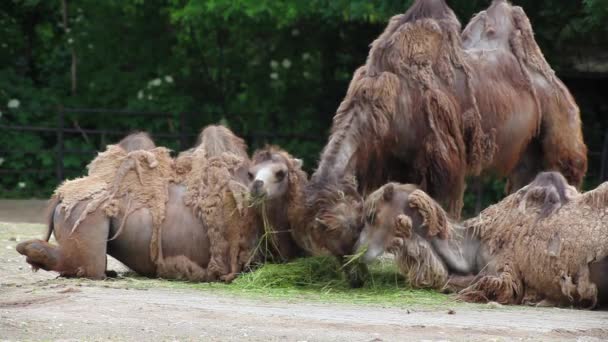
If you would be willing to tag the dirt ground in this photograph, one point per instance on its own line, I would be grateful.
(36, 306)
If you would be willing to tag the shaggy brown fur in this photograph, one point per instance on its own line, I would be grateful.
(281, 213)
(134, 199)
(543, 244)
(219, 198)
(429, 108)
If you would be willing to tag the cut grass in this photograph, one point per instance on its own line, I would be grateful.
(313, 279)
(316, 279)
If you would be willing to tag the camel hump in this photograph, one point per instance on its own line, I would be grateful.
(549, 190)
(215, 140)
(137, 141)
(429, 9)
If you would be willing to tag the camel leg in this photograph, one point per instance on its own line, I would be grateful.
(81, 253)
(504, 288)
(356, 273)
(457, 283)
(527, 168)
(563, 147)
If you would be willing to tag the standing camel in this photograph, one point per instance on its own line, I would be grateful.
(431, 107)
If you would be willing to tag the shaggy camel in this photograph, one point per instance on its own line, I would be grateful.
(545, 244)
(429, 108)
(184, 219)
(277, 189)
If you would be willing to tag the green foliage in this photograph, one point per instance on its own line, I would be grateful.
(260, 66)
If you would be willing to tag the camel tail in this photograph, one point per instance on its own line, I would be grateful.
(50, 214)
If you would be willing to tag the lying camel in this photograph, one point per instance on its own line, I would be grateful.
(431, 107)
(182, 220)
(277, 188)
(545, 244)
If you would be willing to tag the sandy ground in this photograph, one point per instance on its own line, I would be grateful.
(36, 306)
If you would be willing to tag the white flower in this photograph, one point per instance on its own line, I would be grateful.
(286, 63)
(155, 82)
(169, 79)
(21, 185)
(274, 64)
(306, 74)
(13, 103)
(140, 94)
(295, 32)
(274, 76)
(68, 30)
(150, 97)
(90, 46)
(1, 160)
(70, 41)
(305, 56)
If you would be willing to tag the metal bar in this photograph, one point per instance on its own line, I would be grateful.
(114, 111)
(60, 154)
(182, 131)
(604, 167)
(89, 131)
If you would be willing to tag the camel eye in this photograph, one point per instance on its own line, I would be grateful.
(250, 175)
(279, 175)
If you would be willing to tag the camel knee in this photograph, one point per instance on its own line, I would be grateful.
(40, 254)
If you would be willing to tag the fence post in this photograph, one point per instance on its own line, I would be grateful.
(604, 167)
(182, 131)
(60, 147)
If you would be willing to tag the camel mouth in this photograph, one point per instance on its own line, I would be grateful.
(258, 197)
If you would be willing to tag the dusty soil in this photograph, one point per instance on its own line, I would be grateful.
(36, 306)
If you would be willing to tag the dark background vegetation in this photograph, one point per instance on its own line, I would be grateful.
(264, 65)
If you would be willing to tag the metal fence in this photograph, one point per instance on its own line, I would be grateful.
(184, 134)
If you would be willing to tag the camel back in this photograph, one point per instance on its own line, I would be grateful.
(121, 182)
(547, 240)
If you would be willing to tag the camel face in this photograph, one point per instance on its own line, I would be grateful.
(389, 220)
(270, 177)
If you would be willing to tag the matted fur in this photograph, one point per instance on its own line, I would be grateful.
(547, 252)
(130, 176)
(284, 214)
(219, 198)
(141, 177)
(429, 108)
(536, 245)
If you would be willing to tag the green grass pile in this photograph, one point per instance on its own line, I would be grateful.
(324, 279)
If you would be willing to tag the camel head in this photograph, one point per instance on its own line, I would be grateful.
(274, 173)
(337, 209)
(396, 214)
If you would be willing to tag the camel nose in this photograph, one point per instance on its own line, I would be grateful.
(256, 188)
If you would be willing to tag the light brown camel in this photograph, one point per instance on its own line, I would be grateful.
(429, 108)
(131, 206)
(545, 244)
(277, 189)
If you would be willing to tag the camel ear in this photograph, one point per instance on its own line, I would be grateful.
(403, 225)
(388, 193)
(433, 216)
(298, 163)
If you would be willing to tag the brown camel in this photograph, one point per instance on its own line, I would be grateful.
(277, 189)
(429, 108)
(135, 204)
(545, 244)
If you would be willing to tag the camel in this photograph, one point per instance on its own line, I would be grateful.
(430, 107)
(544, 244)
(277, 189)
(185, 219)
